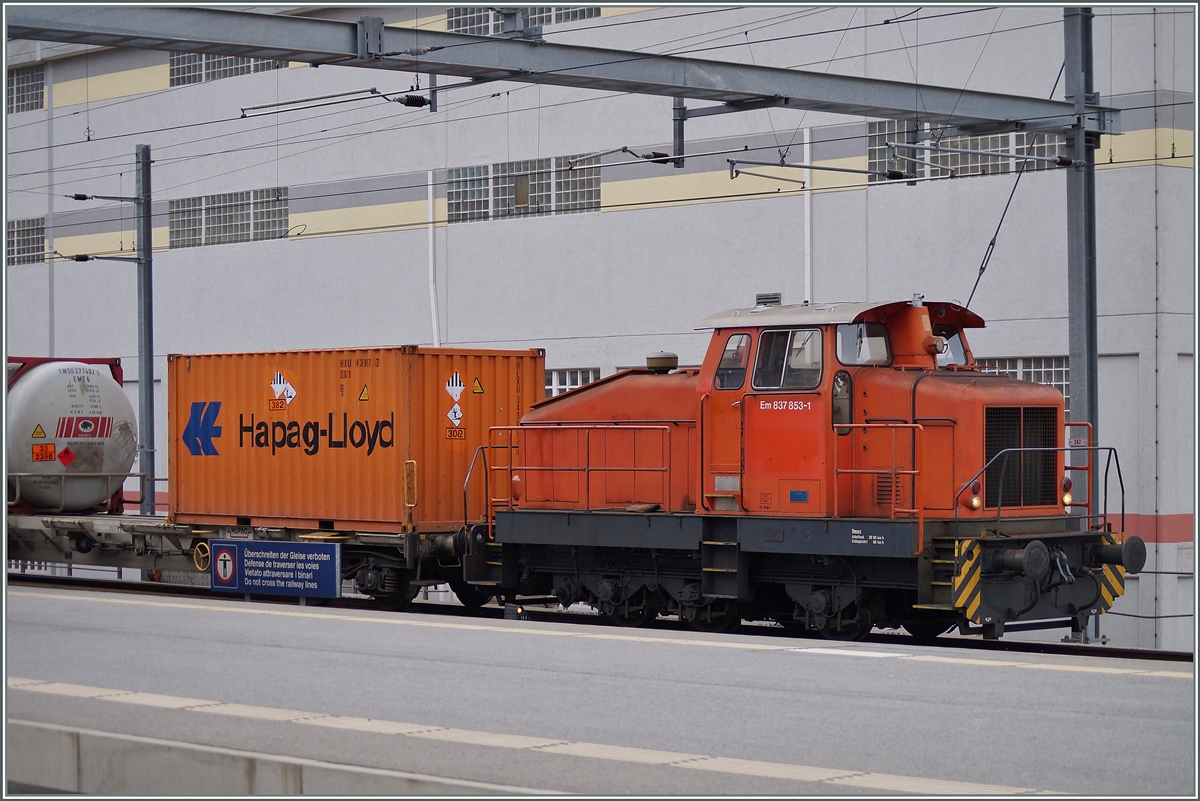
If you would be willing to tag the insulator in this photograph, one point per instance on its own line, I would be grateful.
(1063, 161)
(415, 100)
(81, 258)
(658, 157)
(895, 175)
(78, 196)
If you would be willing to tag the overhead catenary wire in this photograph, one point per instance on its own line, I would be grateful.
(991, 247)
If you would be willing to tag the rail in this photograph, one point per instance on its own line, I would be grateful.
(894, 471)
(1101, 518)
(506, 440)
(109, 488)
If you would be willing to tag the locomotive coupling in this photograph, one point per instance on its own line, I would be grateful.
(1032, 561)
(1130, 554)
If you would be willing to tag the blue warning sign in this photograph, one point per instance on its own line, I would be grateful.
(308, 569)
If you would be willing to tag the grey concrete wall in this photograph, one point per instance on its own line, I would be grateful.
(64, 759)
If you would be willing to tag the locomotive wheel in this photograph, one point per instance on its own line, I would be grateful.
(469, 595)
(639, 611)
(928, 629)
(857, 629)
(716, 617)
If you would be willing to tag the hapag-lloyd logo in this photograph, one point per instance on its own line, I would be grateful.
(310, 435)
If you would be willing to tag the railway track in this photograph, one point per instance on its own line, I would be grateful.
(534, 609)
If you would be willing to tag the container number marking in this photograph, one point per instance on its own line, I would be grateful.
(456, 433)
(43, 453)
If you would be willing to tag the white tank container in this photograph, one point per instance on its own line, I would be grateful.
(66, 419)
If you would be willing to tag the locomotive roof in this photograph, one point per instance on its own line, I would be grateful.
(833, 313)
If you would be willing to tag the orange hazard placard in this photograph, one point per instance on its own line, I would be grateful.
(43, 453)
(456, 433)
(277, 405)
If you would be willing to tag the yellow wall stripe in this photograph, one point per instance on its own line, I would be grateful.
(112, 85)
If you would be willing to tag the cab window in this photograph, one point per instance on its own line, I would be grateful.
(955, 353)
(789, 360)
(863, 343)
(731, 372)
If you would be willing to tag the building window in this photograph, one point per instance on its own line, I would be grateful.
(26, 89)
(576, 184)
(573, 13)
(483, 20)
(560, 381)
(185, 219)
(878, 135)
(467, 195)
(961, 164)
(187, 68)
(522, 187)
(473, 20)
(1052, 370)
(1044, 144)
(231, 217)
(26, 241)
(946, 165)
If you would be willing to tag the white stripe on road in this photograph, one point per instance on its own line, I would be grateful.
(618, 753)
(734, 643)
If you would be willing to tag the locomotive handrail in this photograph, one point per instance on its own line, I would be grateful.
(915, 472)
(62, 486)
(480, 451)
(512, 467)
(1005, 453)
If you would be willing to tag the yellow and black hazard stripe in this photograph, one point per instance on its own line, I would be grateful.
(967, 586)
(1111, 577)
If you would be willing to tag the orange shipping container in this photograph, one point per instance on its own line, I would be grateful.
(370, 439)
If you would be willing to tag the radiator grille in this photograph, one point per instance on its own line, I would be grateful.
(1029, 479)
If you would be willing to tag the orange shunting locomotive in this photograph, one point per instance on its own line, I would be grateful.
(831, 467)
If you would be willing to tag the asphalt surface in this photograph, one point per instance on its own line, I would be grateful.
(878, 718)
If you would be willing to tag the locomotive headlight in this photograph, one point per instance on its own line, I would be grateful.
(1066, 488)
(970, 498)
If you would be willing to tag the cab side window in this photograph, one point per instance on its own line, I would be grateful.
(731, 372)
(863, 343)
(789, 360)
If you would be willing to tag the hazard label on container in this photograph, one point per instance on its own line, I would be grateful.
(456, 433)
(455, 386)
(362, 396)
(455, 414)
(43, 453)
(39, 433)
(277, 404)
(66, 456)
(477, 389)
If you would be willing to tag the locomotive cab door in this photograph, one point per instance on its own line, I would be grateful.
(721, 415)
(786, 428)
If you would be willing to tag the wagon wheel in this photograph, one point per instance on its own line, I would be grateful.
(469, 595)
(396, 602)
(201, 555)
